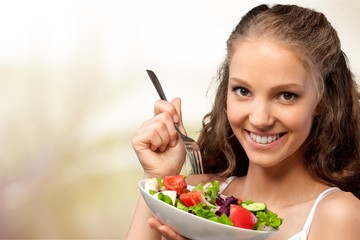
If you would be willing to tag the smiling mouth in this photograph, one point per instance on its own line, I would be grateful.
(265, 139)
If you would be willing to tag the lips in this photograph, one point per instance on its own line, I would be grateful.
(264, 139)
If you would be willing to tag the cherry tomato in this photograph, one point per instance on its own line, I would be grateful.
(192, 198)
(241, 217)
(176, 183)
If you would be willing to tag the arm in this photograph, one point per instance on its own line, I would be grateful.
(139, 225)
(160, 152)
(145, 225)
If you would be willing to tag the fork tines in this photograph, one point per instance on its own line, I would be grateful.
(194, 155)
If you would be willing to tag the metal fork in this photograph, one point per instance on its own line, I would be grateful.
(191, 146)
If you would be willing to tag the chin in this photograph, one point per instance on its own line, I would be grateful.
(263, 161)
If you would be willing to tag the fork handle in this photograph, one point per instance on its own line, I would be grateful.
(161, 93)
(157, 84)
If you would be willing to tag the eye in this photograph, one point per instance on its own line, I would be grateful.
(240, 91)
(287, 96)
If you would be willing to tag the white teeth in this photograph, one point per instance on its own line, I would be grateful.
(264, 139)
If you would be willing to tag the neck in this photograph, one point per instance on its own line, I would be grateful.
(280, 186)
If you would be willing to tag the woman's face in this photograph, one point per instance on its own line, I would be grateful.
(271, 101)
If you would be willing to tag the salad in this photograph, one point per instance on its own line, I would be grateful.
(206, 202)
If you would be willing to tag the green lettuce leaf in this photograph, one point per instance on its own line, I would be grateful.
(165, 198)
(160, 182)
(267, 219)
(211, 192)
(181, 206)
(206, 211)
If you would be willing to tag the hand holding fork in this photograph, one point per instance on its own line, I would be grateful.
(191, 146)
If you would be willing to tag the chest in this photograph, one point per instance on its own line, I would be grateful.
(294, 220)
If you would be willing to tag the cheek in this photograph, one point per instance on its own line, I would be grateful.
(234, 114)
(299, 122)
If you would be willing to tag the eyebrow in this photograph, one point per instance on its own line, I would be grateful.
(278, 87)
(238, 80)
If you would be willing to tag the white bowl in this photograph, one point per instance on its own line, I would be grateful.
(195, 227)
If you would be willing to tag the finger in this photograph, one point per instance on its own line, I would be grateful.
(164, 106)
(170, 234)
(159, 132)
(164, 230)
(154, 223)
(146, 138)
(171, 136)
(176, 102)
(165, 128)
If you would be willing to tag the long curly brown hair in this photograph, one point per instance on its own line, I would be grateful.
(332, 149)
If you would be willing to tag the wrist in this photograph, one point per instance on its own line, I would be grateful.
(153, 175)
(157, 175)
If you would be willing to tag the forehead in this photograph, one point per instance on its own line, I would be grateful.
(266, 60)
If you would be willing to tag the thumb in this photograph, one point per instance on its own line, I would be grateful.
(176, 102)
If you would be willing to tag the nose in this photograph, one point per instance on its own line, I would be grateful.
(261, 116)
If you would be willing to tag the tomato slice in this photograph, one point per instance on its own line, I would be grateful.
(241, 217)
(192, 198)
(176, 183)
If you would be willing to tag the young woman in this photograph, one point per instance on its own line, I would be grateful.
(285, 122)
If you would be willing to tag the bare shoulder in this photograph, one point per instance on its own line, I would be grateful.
(202, 178)
(339, 212)
(343, 204)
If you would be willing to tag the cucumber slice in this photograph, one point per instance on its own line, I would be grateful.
(254, 207)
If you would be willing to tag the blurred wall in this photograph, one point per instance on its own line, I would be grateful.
(73, 91)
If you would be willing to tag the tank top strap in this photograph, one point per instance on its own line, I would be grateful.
(313, 209)
(226, 183)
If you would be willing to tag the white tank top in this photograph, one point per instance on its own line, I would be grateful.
(302, 235)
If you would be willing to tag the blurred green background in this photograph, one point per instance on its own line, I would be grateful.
(73, 91)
